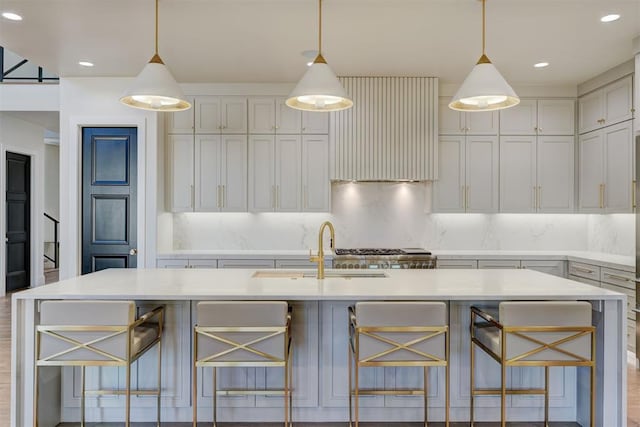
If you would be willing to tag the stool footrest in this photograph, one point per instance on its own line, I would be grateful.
(121, 392)
(398, 392)
(497, 391)
(263, 392)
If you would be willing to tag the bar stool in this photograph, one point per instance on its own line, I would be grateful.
(243, 334)
(540, 333)
(97, 333)
(397, 334)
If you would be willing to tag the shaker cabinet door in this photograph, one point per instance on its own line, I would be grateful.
(481, 174)
(618, 165)
(519, 120)
(450, 188)
(555, 174)
(180, 152)
(518, 187)
(591, 172)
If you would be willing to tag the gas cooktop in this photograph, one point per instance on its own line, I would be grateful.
(382, 251)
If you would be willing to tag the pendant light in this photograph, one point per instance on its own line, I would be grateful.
(319, 89)
(484, 89)
(155, 88)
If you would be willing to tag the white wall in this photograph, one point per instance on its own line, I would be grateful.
(394, 215)
(26, 138)
(52, 180)
(95, 102)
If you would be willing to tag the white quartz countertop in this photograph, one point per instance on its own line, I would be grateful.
(241, 254)
(195, 284)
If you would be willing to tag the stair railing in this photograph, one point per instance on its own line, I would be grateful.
(56, 244)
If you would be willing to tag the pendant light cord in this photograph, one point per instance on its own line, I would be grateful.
(157, 26)
(320, 27)
(483, 26)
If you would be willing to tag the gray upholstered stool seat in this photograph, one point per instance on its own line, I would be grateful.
(97, 333)
(410, 334)
(242, 334)
(533, 333)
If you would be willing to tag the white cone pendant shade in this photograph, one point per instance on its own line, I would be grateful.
(484, 89)
(319, 90)
(155, 89)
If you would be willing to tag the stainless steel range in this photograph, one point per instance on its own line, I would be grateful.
(383, 258)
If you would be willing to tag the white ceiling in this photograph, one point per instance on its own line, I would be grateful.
(262, 40)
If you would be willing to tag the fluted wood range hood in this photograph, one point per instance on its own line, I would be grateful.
(390, 134)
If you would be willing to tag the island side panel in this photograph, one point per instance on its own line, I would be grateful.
(23, 320)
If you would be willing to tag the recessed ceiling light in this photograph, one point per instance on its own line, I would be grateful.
(86, 63)
(610, 18)
(11, 16)
(541, 64)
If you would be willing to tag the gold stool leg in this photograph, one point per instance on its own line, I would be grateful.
(447, 401)
(82, 396)
(290, 366)
(286, 395)
(426, 403)
(503, 395)
(546, 396)
(215, 397)
(194, 381)
(127, 422)
(356, 390)
(159, 378)
(471, 387)
(349, 360)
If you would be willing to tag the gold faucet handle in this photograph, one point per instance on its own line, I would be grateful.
(312, 258)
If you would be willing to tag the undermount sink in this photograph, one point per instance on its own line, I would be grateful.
(297, 274)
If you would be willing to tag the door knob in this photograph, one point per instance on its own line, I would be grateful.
(133, 251)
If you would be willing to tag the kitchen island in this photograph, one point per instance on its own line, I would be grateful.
(320, 343)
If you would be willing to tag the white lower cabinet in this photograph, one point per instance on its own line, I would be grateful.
(498, 264)
(468, 174)
(246, 263)
(553, 267)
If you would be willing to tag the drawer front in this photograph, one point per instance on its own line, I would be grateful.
(631, 299)
(457, 263)
(506, 263)
(583, 280)
(587, 271)
(618, 277)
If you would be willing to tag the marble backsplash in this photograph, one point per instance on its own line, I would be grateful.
(397, 215)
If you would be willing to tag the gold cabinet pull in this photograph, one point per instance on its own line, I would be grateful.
(222, 198)
(535, 199)
(193, 196)
(273, 196)
(633, 194)
(306, 197)
(466, 203)
(218, 196)
(600, 196)
(539, 197)
(463, 196)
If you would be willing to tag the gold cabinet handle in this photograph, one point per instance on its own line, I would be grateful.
(584, 270)
(535, 129)
(615, 276)
(193, 196)
(633, 194)
(273, 196)
(600, 195)
(539, 197)
(222, 198)
(535, 199)
(277, 201)
(218, 196)
(463, 196)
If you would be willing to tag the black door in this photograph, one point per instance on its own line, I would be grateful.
(18, 221)
(109, 198)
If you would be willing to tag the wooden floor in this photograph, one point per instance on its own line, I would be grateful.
(633, 404)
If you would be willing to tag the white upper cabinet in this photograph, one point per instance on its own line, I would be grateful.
(288, 172)
(268, 115)
(207, 173)
(468, 179)
(262, 173)
(316, 186)
(221, 114)
(180, 155)
(452, 122)
(315, 123)
(606, 106)
(606, 170)
(555, 173)
(539, 117)
(518, 184)
(181, 121)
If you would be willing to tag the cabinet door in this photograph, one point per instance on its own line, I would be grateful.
(288, 120)
(591, 172)
(449, 189)
(316, 186)
(555, 162)
(234, 114)
(481, 174)
(181, 121)
(203, 263)
(207, 173)
(618, 101)
(553, 267)
(618, 159)
(485, 123)
(288, 174)
(519, 120)
(315, 123)
(180, 158)
(590, 112)
(556, 117)
(518, 174)
(450, 122)
(246, 263)
(261, 173)
(262, 115)
(233, 173)
(208, 114)
(457, 264)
